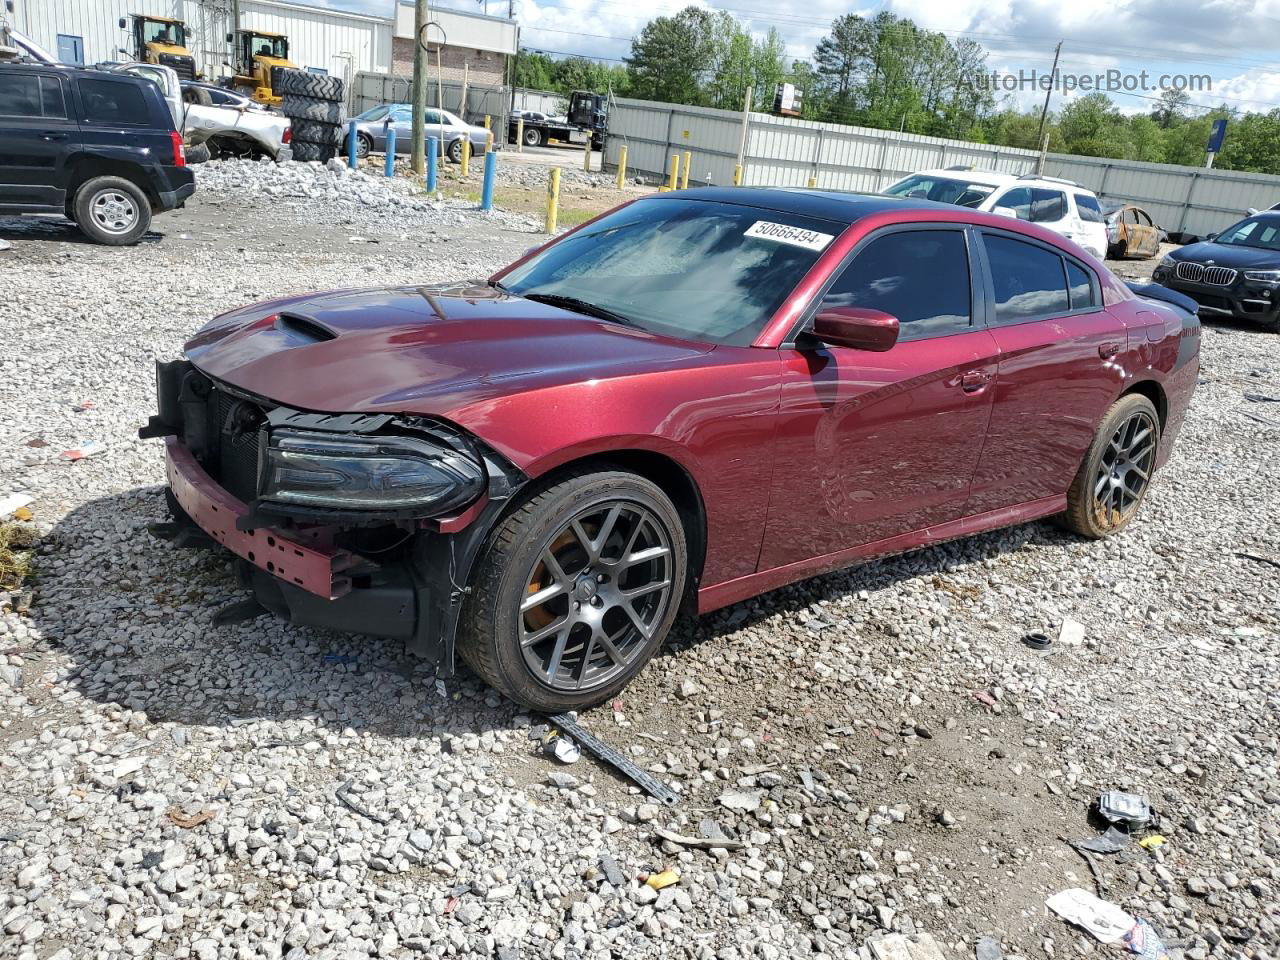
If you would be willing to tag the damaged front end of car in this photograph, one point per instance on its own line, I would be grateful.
(366, 523)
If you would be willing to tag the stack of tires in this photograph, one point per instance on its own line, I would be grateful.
(316, 107)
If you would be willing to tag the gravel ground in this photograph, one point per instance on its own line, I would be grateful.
(892, 756)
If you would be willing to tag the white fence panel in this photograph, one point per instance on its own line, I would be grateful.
(784, 151)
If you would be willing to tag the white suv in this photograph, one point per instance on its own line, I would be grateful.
(1063, 206)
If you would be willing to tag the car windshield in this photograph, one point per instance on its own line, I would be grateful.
(701, 270)
(1260, 232)
(942, 189)
(375, 113)
(155, 31)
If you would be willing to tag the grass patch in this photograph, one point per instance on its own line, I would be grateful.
(17, 544)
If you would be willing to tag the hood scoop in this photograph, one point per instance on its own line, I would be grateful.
(301, 329)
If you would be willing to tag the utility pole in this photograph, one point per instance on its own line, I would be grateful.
(1044, 111)
(419, 134)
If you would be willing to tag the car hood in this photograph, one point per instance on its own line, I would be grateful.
(1228, 255)
(433, 350)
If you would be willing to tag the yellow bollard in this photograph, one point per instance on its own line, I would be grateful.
(737, 174)
(520, 135)
(688, 162)
(553, 200)
(466, 156)
(488, 122)
(488, 142)
(675, 172)
(622, 167)
(586, 153)
(813, 182)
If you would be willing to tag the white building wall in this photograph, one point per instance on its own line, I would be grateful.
(343, 44)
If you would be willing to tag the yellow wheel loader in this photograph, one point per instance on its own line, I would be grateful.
(163, 41)
(260, 57)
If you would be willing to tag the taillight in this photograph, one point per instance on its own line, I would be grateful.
(179, 152)
(288, 135)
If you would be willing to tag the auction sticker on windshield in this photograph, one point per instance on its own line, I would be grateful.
(783, 233)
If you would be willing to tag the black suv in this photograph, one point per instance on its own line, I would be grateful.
(98, 147)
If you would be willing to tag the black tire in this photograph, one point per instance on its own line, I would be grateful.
(313, 131)
(305, 151)
(112, 210)
(309, 108)
(492, 620)
(300, 83)
(532, 137)
(198, 153)
(364, 145)
(1098, 504)
(455, 152)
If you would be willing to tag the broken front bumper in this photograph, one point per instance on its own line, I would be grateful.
(317, 569)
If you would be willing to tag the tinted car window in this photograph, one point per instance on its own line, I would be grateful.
(52, 99)
(919, 276)
(1028, 280)
(941, 189)
(19, 95)
(1047, 206)
(1260, 232)
(1080, 287)
(698, 269)
(1088, 207)
(113, 101)
(377, 113)
(1018, 200)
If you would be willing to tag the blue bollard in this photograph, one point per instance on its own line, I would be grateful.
(431, 164)
(486, 192)
(391, 151)
(351, 144)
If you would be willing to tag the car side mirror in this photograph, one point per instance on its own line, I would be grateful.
(1005, 212)
(858, 328)
(1210, 237)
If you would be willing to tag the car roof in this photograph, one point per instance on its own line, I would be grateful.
(994, 178)
(835, 205)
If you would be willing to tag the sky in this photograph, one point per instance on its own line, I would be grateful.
(1232, 42)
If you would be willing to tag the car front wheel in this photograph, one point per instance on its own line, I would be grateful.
(1112, 481)
(576, 591)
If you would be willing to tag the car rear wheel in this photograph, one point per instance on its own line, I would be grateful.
(455, 151)
(576, 591)
(112, 210)
(1112, 481)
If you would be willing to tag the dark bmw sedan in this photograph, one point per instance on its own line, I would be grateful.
(1235, 274)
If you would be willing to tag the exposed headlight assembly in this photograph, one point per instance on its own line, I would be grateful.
(314, 469)
(1265, 276)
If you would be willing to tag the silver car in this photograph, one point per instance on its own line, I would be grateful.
(373, 124)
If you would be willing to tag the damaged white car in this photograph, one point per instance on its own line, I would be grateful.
(212, 131)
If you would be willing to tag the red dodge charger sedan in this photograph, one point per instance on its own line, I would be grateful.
(689, 400)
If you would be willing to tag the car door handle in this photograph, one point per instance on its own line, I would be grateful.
(51, 135)
(1108, 350)
(974, 381)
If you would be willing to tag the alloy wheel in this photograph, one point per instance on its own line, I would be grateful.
(114, 211)
(1124, 470)
(596, 595)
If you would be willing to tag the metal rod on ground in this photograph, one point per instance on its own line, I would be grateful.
(675, 171)
(419, 128)
(684, 177)
(737, 174)
(391, 151)
(466, 156)
(553, 199)
(622, 166)
(520, 135)
(351, 144)
(486, 192)
(431, 164)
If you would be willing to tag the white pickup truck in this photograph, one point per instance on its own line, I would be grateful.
(218, 130)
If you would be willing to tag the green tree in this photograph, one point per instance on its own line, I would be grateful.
(1092, 126)
(1171, 109)
(1252, 143)
(532, 70)
(669, 57)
